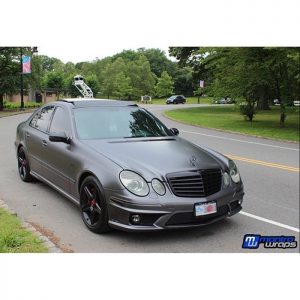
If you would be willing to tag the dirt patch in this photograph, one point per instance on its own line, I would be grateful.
(51, 236)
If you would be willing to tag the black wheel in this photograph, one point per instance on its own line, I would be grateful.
(23, 166)
(93, 206)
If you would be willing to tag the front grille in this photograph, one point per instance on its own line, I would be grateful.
(200, 183)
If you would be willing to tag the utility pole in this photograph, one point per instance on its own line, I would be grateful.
(32, 51)
(21, 69)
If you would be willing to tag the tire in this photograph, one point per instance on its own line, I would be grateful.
(93, 206)
(23, 165)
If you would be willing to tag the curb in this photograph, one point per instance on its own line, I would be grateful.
(51, 246)
(15, 113)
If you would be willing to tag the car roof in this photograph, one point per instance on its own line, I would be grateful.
(92, 102)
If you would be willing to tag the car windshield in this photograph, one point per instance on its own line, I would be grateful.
(117, 122)
(172, 97)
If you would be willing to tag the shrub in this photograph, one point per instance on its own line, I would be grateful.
(247, 109)
(16, 105)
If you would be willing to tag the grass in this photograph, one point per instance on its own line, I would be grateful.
(15, 239)
(265, 123)
(189, 100)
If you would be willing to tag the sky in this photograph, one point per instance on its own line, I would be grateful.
(85, 30)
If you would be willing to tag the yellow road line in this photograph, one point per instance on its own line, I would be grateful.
(263, 163)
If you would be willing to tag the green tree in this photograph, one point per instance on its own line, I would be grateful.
(50, 63)
(110, 74)
(126, 55)
(165, 85)
(159, 62)
(256, 74)
(184, 81)
(92, 82)
(123, 86)
(142, 79)
(54, 80)
(9, 72)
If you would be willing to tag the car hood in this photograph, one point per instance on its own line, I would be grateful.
(155, 157)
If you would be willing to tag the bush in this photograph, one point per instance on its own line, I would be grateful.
(16, 105)
(247, 109)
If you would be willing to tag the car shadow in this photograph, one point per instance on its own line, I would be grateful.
(183, 236)
(181, 240)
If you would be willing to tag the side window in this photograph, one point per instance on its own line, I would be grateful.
(59, 121)
(41, 119)
(34, 119)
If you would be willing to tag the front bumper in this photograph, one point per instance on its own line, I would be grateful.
(170, 211)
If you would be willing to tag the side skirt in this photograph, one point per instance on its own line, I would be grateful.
(41, 178)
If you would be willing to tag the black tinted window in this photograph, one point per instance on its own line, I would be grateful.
(117, 122)
(59, 123)
(42, 118)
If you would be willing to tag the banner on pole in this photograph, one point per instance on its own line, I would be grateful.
(201, 83)
(26, 63)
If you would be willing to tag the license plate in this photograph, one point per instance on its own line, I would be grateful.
(202, 209)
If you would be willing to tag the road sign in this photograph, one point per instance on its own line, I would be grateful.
(201, 83)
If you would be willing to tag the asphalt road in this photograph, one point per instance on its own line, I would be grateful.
(269, 169)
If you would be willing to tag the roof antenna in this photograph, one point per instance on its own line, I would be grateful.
(82, 87)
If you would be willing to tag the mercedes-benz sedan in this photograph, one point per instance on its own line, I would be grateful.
(124, 168)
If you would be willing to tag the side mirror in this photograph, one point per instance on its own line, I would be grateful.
(59, 137)
(175, 131)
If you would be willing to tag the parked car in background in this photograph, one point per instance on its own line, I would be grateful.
(124, 168)
(225, 100)
(287, 103)
(176, 99)
(220, 101)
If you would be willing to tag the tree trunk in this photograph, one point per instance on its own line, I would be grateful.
(1, 102)
(282, 114)
(263, 104)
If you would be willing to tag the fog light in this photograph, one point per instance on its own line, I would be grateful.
(240, 201)
(136, 219)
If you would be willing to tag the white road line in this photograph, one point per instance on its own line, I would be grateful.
(236, 140)
(269, 221)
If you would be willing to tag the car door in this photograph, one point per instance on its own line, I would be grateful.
(60, 170)
(36, 138)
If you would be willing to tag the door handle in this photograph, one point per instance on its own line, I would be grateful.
(27, 134)
(44, 143)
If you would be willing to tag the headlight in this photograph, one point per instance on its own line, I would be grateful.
(226, 179)
(158, 187)
(134, 183)
(234, 173)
